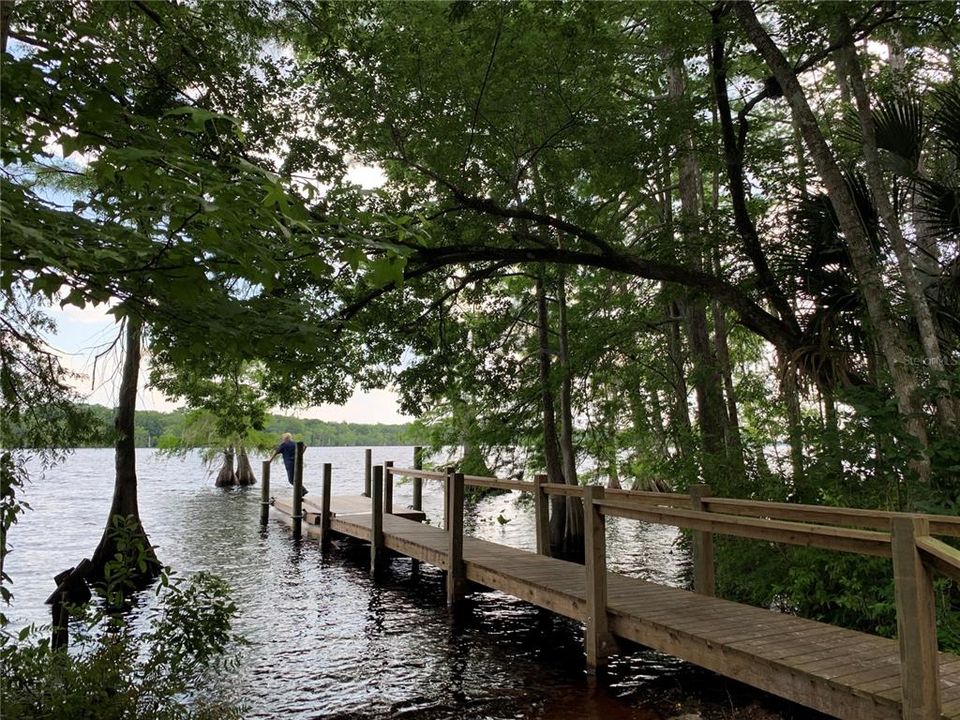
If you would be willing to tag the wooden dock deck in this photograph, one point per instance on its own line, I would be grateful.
(837, 671)
(840, 672)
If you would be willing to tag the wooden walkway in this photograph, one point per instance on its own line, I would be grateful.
(840, 672)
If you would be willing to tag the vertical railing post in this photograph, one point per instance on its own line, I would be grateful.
(325, 505)
(597, 634)
(446, 496)
(916, 621)
(418, 482)
(367, 467)
(298, 491)
(388, 488)
(704, 573)
(456, 576)
(376, 521)
(265, 493)
(541, 509)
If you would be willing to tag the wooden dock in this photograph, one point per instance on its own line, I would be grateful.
(833, 670)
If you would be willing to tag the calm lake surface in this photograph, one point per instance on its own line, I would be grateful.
(325, 641)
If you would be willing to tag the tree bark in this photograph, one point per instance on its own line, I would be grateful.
(850, 65)
(124, 502)
(227, 477)
(551, 449)
(733, 160)
(573, 532)
(245, 474)
(861, 254)
(707, 380)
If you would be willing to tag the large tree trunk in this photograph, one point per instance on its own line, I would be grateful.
(551, 448)
(227, 477)
(905, 260)
(861, 254)
(790, 391)
(124, 503)
(245, 474)
(707, 379)
(573, 533)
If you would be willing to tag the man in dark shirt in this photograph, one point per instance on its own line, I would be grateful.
(287, 448)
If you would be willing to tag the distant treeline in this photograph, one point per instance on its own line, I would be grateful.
(152, 426)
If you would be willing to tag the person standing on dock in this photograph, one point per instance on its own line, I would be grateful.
(288, 449)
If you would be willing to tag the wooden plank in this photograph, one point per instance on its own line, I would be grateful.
(916, 621)
(563, 489)
(497, 483)
(420, 473)
(855, 517)
(942, 557)
(865, 542)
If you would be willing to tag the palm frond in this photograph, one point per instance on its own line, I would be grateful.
(946, 117)
(940, 206)
(901, 128)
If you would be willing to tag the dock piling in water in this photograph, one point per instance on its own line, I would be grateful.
(376, 521)
(298, 491)
(456, 572)
(325, 505)
(265, 493)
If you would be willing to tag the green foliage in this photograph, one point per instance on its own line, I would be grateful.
(119, 669)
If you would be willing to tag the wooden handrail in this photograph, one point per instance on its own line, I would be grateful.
(826, 515)
(816, 514)
(647, 497)
(422, 474)
(940, 556)
(865, 542)
(563, 489)
(497, 483)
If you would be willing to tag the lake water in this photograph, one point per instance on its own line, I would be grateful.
(327, 642)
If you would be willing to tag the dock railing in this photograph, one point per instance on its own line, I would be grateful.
(906, 538)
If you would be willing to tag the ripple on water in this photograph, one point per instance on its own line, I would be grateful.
(326, 642)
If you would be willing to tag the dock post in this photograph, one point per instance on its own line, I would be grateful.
(418, 482)
(376, 521)
(388, 487)
(446, 496)
(265, 493)
(325, 505)
(597, 633)
(541, 509)
(916, 621)
(704, 573)
(456, 575)
(298, 491)
(367, 465)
